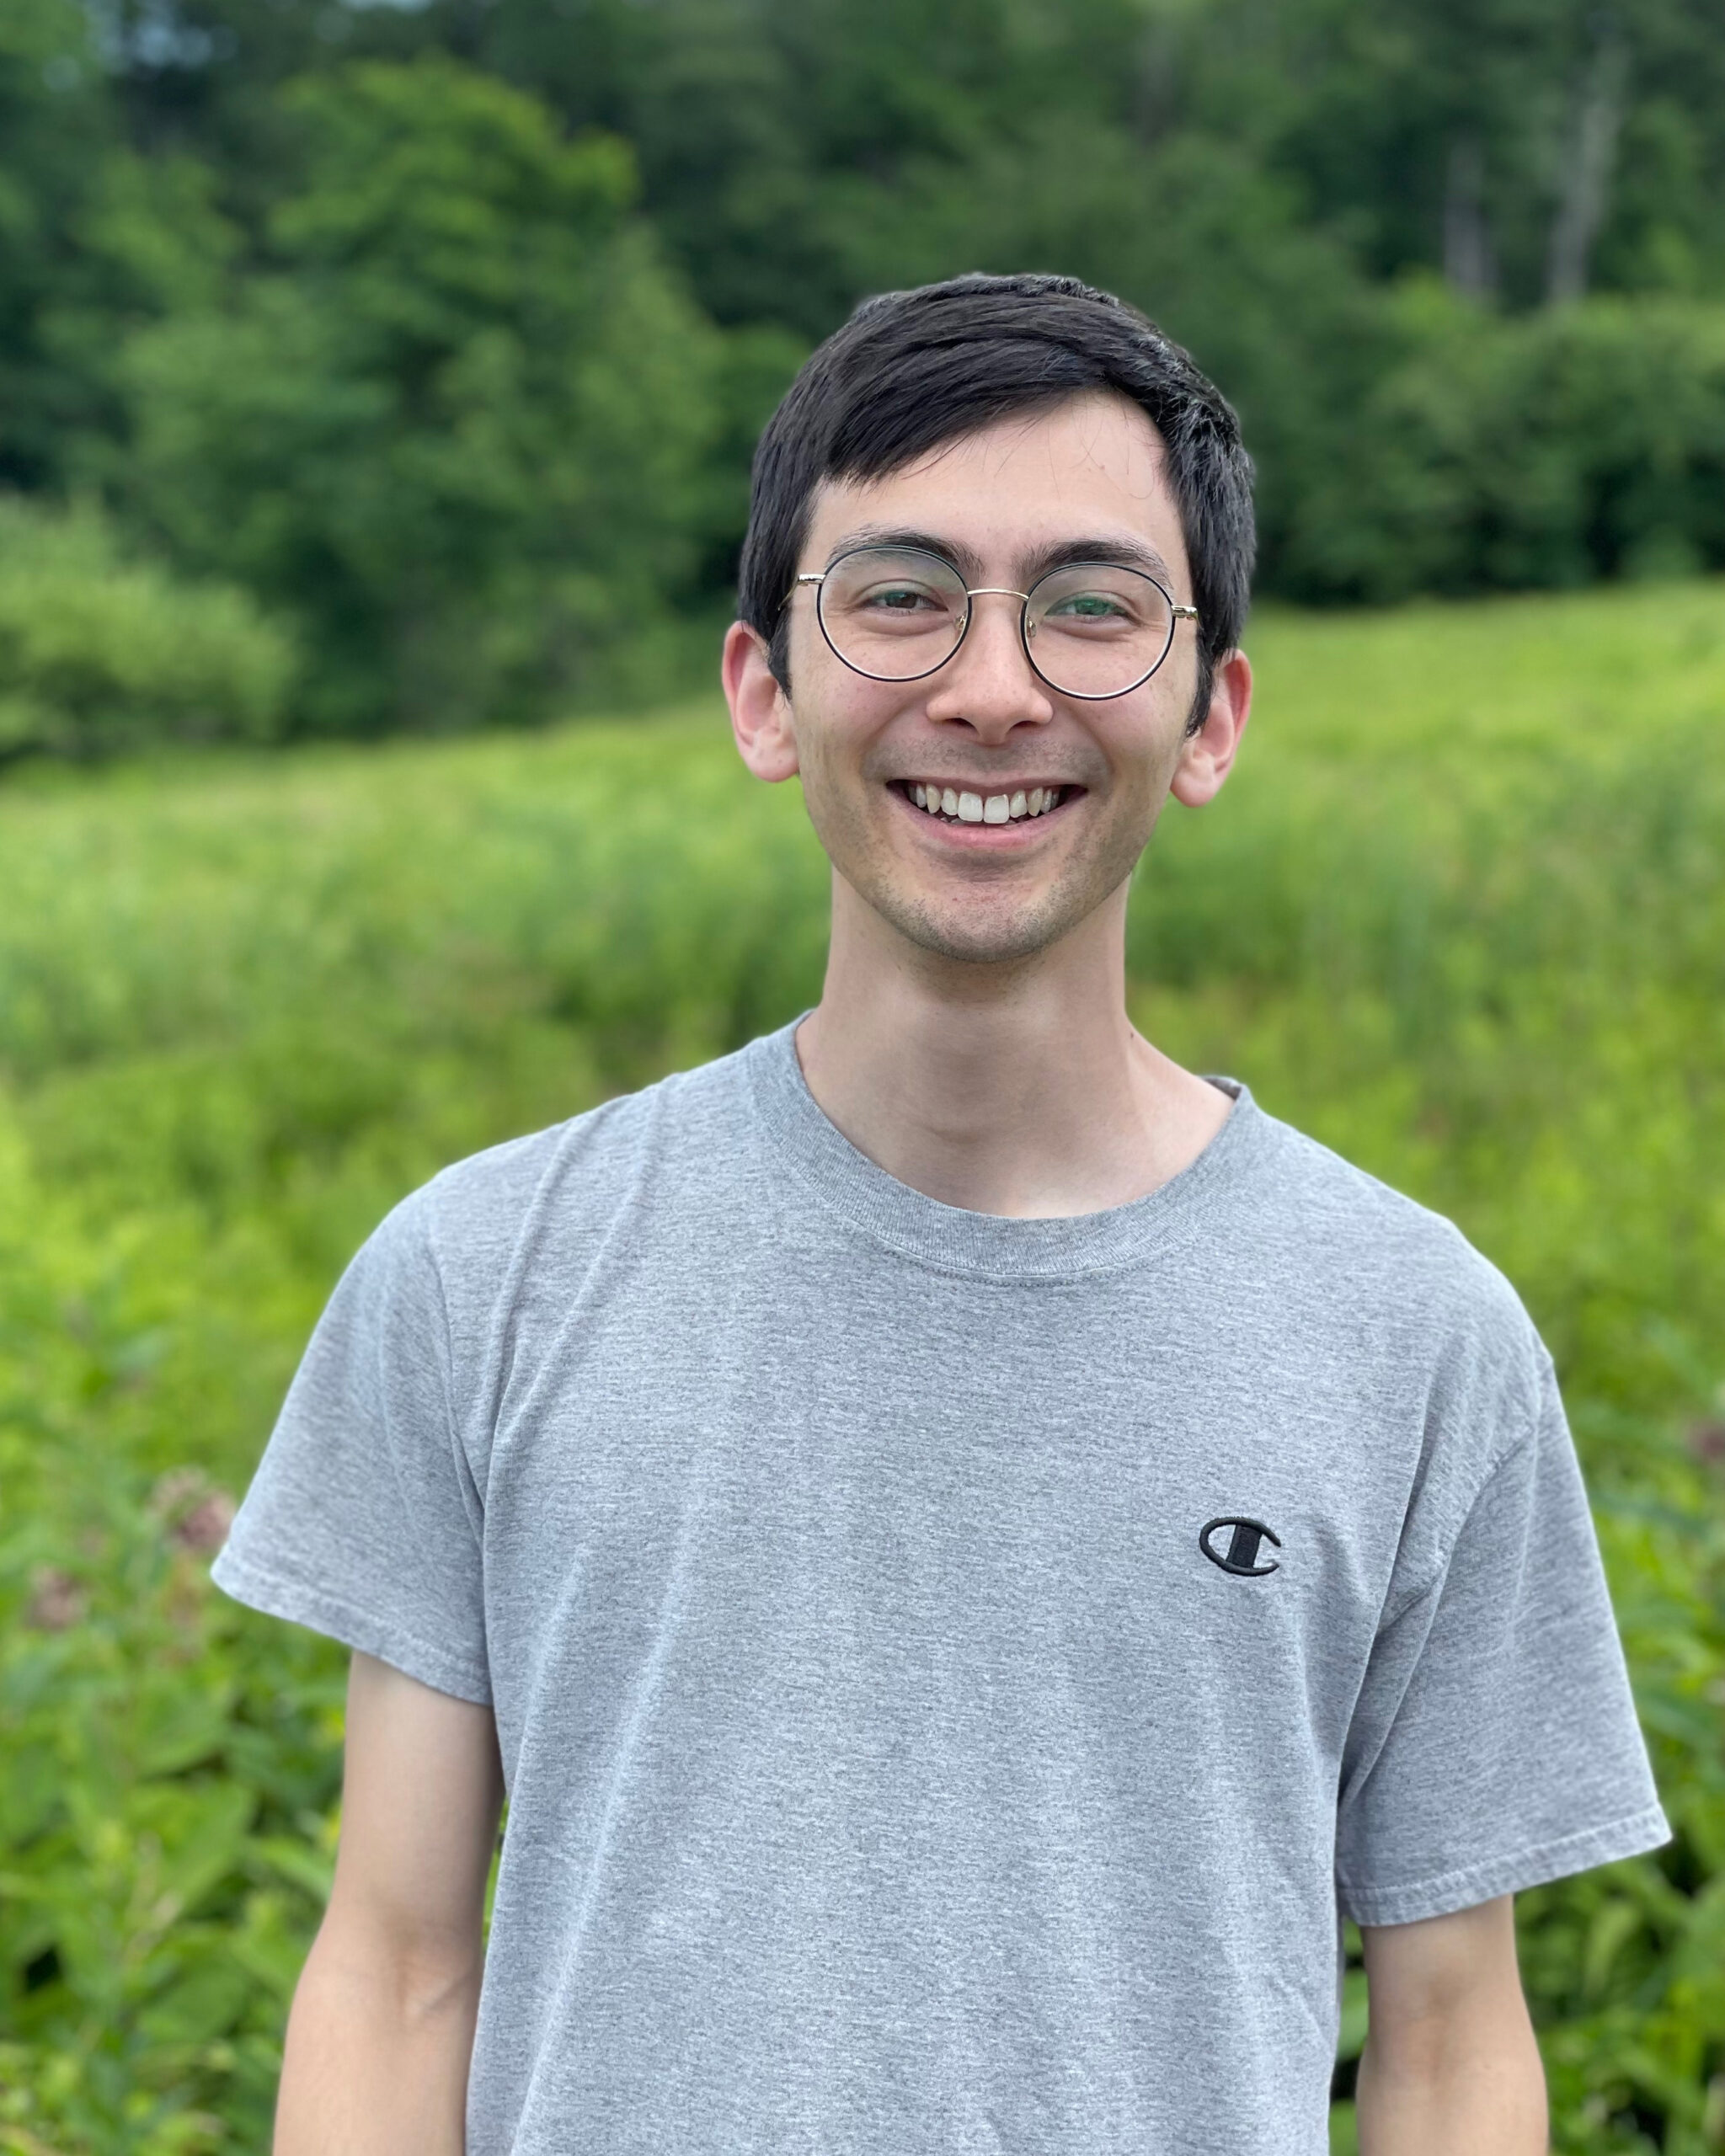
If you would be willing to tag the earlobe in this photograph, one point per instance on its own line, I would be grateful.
(762, 719)
(1207, 756)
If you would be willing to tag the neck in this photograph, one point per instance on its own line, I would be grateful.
(1019, 1088)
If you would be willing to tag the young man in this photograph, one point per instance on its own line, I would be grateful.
(970, 1548)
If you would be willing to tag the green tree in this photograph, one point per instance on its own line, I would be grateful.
(53, 124)
(774, 135)
(455, 418)
(1467, 137)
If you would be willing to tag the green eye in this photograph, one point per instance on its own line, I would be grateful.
(1088, 607)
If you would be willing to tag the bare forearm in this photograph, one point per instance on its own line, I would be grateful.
(376, 2058)
(1482, 2095)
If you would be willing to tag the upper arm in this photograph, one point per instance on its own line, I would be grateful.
(1450, 2061)
(422, 1790)
(1423, 1979)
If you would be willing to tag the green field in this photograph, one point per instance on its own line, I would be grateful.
(1461, 915)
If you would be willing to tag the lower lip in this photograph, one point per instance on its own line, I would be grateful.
(987, 838)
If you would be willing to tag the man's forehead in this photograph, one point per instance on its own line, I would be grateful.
(1091, 467)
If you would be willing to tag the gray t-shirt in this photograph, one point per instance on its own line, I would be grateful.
(953, 1673)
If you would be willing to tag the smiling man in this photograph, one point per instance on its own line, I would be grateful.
(971, 1548)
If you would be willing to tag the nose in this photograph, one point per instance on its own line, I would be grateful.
(988, 685)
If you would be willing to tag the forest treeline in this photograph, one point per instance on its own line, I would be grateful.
(384, 366)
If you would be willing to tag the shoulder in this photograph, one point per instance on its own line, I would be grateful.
(1374, 1281)
(1391, 1253)
(570, 1181)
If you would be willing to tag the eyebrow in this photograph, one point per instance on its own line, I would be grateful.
(1128, 552)
(962, 558)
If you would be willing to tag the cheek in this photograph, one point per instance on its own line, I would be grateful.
(838, 719)
(1142, 746)
(835, 794)
(1144, 755)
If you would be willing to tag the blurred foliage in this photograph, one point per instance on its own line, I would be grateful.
(456, 423)
(100, 652)
(1555, 449)
(1461, 914)
(447, 329)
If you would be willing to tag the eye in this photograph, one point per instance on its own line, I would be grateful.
(1095, 604)
(899, 599)
(1090, 607)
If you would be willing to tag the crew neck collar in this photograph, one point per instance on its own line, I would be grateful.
(955, 1240)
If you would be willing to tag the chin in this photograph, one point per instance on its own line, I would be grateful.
(979, 934)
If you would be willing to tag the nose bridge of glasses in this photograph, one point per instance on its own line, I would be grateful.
(989, 591)
(992, 656)
(967, 626)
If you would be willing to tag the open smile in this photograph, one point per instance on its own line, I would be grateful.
(958, 804)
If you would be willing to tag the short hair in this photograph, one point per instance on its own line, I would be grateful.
(912, 371)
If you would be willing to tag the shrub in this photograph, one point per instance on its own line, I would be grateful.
(1551, 449)
(98, 651)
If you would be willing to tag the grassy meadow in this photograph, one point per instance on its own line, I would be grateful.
(1460, 915)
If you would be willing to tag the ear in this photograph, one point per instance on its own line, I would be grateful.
(761, 711)
(1207, 756)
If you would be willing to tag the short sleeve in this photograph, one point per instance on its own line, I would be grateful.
(363, 1520)
(1495, 1744)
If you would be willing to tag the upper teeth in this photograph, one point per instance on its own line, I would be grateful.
(993, 808)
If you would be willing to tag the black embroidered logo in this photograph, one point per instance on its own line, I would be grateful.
(1241, 1558)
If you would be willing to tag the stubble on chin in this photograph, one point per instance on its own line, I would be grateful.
(987, 934)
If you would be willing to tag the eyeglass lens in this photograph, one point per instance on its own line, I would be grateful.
(1094, 629)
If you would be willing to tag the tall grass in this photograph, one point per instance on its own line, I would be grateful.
(1461, 914)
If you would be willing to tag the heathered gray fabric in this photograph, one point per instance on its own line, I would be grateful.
(889, 1769)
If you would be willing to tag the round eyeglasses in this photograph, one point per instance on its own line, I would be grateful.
(1089, 629)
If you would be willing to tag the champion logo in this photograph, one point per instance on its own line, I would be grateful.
(1240, 1555)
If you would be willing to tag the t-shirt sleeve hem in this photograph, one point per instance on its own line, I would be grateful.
(302, 1604)
(1513, 1874)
